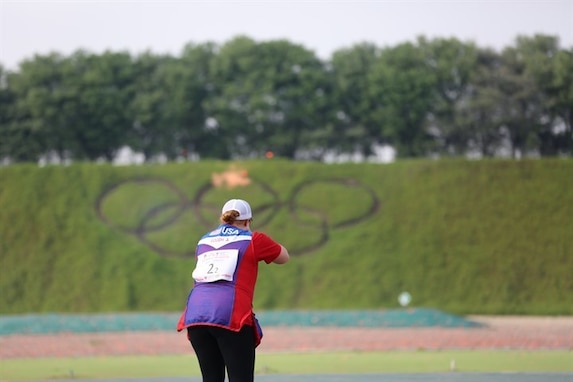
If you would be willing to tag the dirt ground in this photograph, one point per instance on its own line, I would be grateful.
(520, 333)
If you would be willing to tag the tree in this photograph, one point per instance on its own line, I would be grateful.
(11, 139)
(561, 102)
(403, 88)
(479, 115)
(546, 65)
(98, 94)
(267, 96)
(453, 63)
(74, 107)
(245, 98)
(168, 112)
(33, 95)
(147, 108)
(191, 84)
(525, 117)
(354, 125)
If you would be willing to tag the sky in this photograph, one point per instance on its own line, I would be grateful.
(165, 27)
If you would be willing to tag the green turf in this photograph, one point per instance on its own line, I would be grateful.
(291, 363)
(118, 322)
(464, 237)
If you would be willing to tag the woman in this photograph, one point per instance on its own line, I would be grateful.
(219, 317)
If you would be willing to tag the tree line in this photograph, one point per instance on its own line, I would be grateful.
(242, 99)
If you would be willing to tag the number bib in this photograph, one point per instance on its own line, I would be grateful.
(216, 265)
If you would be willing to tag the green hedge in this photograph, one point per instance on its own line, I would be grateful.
(468, 237)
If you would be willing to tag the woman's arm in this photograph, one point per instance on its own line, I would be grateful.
(283, 257)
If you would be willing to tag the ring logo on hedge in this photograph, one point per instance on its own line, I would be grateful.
(159, 214)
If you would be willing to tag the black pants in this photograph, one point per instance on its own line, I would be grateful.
(219, 348)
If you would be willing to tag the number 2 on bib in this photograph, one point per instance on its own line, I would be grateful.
(216, 265)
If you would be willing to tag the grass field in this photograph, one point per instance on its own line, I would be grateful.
(291, 363)
(485, 237)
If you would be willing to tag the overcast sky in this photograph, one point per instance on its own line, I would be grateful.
(41, 27)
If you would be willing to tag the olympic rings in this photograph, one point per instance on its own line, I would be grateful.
(164, 205)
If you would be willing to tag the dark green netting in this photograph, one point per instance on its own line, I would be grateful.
(365, 318)
(116, 322)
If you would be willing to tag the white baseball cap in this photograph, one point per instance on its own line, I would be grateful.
(239, 205)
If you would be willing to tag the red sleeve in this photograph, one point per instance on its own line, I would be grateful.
(265, 248)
